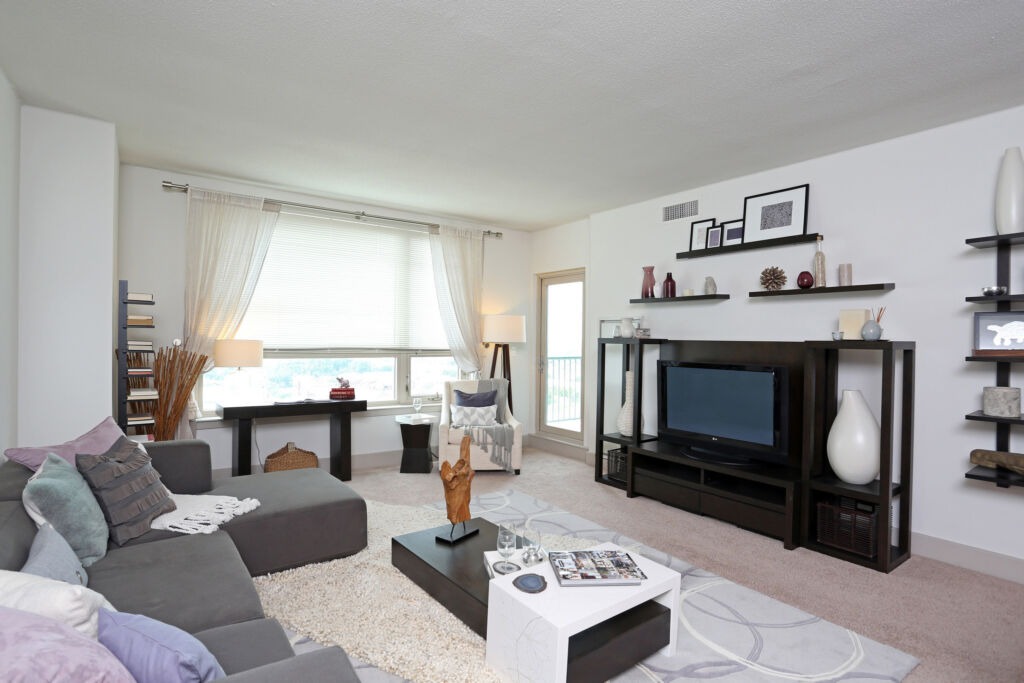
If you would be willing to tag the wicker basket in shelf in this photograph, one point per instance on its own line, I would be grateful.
(842, 525)
(290, 458)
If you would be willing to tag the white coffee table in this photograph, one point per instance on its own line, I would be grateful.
(528, 633)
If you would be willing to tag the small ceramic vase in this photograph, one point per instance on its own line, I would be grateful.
(804, 280)
(647, 288)
(871, 331)
(710, 286)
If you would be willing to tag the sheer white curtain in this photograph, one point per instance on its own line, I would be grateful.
(228, 237)
(458, 256)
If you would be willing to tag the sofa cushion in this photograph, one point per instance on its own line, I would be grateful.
(17, 531)
(75, 606)
(36, 648)
(13, 476)
(244, 646)
(52, 557)
(58, 494)
(193, 582)
(127, 488)
(96, 440)
(154, 651)
(304, 516)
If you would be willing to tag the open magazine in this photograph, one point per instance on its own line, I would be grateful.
(595, 568)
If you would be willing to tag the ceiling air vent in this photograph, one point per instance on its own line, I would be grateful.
(684, 210)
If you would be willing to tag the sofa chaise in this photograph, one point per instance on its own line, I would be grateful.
(202, 583)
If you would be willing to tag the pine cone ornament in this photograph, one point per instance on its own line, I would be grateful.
(773, 278)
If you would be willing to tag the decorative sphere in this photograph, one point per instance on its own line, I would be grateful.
(804, 280)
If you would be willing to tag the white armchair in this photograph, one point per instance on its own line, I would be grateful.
(449, 438)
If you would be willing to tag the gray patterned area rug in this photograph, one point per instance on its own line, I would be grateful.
(392, 630)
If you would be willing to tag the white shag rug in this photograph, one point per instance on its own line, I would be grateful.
(375, 613)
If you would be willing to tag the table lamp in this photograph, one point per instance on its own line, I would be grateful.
(238, 353)
(502, 330)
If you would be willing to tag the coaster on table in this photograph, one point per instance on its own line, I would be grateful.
(530, 583)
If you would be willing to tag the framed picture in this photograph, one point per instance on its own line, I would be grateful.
(782, 213)
(699, 234)
(607, 327)
(999, 331)
(732, 232)
(714, 237)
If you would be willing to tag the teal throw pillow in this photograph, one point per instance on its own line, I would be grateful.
(52, 557)
(58, 494)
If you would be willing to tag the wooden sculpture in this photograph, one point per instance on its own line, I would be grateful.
(457, 480)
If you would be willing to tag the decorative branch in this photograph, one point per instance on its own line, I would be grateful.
(176, 371)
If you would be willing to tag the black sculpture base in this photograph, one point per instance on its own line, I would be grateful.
(457, 534)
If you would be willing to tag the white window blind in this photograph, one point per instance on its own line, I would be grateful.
(336, 283)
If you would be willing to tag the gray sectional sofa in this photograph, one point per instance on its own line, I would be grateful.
(202, 583)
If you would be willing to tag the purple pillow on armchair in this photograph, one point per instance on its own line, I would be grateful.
(479, 400)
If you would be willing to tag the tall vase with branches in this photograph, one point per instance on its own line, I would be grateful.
(176, 371)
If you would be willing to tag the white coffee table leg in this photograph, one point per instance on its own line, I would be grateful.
(522, 646)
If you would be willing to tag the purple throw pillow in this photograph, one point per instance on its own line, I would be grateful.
(37, 648)
(479, 400)
(154, 651)
(99, 439)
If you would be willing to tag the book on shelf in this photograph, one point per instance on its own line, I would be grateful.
(140, 320)
(140, 372)
(142, 395)
(139, 418)
(136, 345)
(140, 296)
(595, 568)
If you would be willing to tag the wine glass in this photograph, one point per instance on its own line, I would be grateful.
(506, 546)
(417, 405)
(532, 550)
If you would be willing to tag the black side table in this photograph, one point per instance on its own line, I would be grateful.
(416, 454)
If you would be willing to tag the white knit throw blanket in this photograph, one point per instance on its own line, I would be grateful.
(202, 514)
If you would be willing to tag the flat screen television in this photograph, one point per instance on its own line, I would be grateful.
(730, 413)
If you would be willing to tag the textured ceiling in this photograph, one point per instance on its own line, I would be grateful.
(523, 114)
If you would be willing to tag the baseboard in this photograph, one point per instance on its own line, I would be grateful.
(555, 447)
(976, 559)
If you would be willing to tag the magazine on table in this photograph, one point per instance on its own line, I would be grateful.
(595, 568)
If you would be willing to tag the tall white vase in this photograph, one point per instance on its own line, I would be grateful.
(853, 440)
(1010, 193)
(625, 420)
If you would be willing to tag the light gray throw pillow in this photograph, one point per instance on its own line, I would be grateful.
(52, 557)
(127, 488)
(58, 494)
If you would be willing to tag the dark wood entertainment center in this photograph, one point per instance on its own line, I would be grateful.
(801, 502)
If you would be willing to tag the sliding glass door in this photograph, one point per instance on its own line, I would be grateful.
(560, 357)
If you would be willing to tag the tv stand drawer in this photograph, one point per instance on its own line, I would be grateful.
(671, 493)
(753, 517)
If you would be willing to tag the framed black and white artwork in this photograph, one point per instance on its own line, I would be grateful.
(699, 234)
(732, 232)
(999, 331)
(771, 215)
(714, 237)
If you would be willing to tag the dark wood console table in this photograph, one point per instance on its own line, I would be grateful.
(341, 430)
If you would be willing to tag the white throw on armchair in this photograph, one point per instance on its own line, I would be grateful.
(449, 437)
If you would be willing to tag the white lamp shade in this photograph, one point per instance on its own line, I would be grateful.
(238, 353)
(504, 329)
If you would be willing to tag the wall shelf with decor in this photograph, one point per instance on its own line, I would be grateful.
(136, 394)
(609, 467)
(763, 244)
(1003, 359)
(694, 297)
(878, 287)
(852, 521)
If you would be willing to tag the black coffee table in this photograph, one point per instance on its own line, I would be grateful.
(455, 576)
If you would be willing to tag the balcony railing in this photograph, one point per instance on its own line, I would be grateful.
(564, 382)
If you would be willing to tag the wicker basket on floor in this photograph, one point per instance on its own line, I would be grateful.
(290, 458)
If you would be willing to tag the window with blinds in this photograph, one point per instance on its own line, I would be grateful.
(339, 297)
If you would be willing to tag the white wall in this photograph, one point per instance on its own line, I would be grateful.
(900, 211)
(66, 289)
(151, 256)
(10, 115)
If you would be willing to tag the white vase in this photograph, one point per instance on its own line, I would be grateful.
(624, 422)
(1010, 193)
(853, 440)
(626, 328)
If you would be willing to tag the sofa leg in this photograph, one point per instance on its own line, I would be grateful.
(517, 472)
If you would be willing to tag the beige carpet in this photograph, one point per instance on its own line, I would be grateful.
(962, 625)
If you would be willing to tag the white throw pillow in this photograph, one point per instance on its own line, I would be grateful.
(481, 416)
(76, 606)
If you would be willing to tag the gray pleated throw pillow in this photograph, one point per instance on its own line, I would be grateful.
(127, 488)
